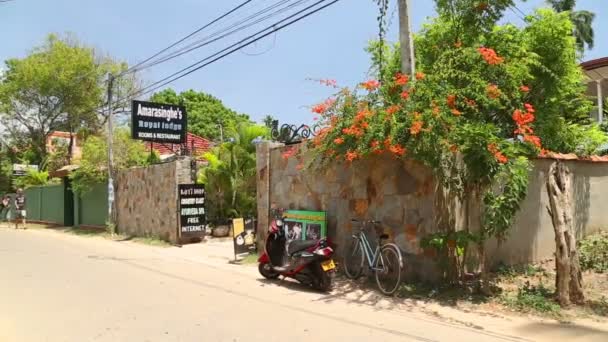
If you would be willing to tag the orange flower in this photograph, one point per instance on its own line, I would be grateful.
(320, 108)
(397, 150)
(375, 144)
(493, 91)
(499, 156)
(351, 155)
(401, 79)
(339, 141)
(405, 94)
(371, 85)
(471, 102)
(353, 130)
(364, 125)
(451, 101)
(416, 127)
(522, 119)
(393, 109)
(458, 44)
(420, 76)
(387, 143)
(362, 115)
(453, 148)
(490, 56)
(436, 110)
(533, 139)
(524, 89)
(529, 108)
(456, 112)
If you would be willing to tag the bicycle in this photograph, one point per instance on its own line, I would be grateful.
(385, 261)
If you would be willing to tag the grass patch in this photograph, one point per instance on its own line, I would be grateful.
(531, 298)
(87, 232)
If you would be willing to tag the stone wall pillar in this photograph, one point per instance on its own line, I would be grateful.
(263, 169)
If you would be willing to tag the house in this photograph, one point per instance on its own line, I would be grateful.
(597, 85)
(194, 146)
(57, 140)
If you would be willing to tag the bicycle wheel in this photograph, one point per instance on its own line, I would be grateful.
(353, 260)
(388, 269)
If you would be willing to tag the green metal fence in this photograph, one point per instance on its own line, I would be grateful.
(46, 204)
(91, 209)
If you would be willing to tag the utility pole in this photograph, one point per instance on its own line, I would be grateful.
(110, 154)
(408, 62)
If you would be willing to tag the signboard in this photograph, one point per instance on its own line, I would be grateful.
(305, 225)
(244, 236)
(21, 169)
(192, 210)
(157, 122)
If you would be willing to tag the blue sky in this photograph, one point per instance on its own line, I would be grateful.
(269, 78)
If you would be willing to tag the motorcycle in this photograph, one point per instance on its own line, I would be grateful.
(307, 261)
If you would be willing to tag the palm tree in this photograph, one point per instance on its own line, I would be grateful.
(230, 177)
(268, 119)
(582, 20)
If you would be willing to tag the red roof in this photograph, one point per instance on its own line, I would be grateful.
(595, 64)
(194, 144)
(572, 156)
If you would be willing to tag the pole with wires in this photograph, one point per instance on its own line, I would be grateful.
(408, 63)
(111, 222)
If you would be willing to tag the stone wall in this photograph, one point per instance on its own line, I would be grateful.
(402, 194)
(147, 200)
(398, 193)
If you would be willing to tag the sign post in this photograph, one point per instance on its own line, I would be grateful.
(192, 215)
(244, 236)
(158, 122)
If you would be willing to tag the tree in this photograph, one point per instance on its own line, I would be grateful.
(569, 279)
(93, 166)
(205, 113)
(582, 20)
(472, 115)
(230, 177)
(58, 86)
(268, 119)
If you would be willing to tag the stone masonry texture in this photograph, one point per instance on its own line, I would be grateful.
(146, 199)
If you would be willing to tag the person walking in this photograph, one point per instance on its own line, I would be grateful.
(5, 208)
(20, 208)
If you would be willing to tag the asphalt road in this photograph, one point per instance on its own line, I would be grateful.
(58, 287)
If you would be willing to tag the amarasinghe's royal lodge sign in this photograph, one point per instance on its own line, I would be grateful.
(157, 122)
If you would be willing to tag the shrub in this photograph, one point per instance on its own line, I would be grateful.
(594, 253)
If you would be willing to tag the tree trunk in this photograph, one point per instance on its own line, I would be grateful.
(568, 281)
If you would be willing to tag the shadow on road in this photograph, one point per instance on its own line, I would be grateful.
(565, 330)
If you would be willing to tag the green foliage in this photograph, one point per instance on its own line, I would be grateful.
(503, 201)
(58, 86)
(230, 176)
(582, 21)
(534, 298)
(32, 178)
(205, 112)
(93, 166)
(594, 253)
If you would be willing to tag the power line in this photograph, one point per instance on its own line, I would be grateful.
(206, 40)
(233, 48)
(189, 35)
